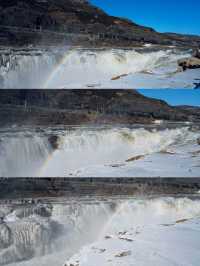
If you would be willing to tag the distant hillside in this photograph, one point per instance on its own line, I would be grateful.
(53, 107)
(80, 18)
(192, 110)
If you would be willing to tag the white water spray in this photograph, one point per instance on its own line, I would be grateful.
(78, 68)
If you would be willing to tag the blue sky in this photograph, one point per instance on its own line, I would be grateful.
(175, 96)
(181, 16)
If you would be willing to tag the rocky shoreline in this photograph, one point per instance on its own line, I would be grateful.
(81, 107)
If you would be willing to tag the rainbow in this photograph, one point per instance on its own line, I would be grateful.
(57, 69)
(40, 172)
(112, 218)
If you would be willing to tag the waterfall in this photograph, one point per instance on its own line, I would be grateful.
(87, 149)
(74, 224)
(92, 67)
(22, 155)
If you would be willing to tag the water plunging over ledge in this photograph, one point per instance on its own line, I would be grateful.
(52, 231)
(95, 68)
(140, 151)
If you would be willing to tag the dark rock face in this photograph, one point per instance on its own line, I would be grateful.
(79, 17)
(54, 142)
(70, 107)
(19, 188)
(198, 141)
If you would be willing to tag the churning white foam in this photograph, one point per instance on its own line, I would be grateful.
(85, 151)
(155, 232)
(95, 149)
(22, 155)
(83, 225)
(78, 68)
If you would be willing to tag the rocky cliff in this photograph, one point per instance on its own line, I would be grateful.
(43, 189)
(69, 107)
(89, 24)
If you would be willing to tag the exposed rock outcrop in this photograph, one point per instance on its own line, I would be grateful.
(189, 63)
(77, 187)
(54, 141)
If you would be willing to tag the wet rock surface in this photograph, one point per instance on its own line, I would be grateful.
(189, 63)
(54, 141)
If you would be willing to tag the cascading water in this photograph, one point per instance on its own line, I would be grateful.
(22, 155)
(77, 68)
(97, 67)
(102, 152)
(37, 230)
(31, 233)
(51, 233)
(155, 232)
(20, 70)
